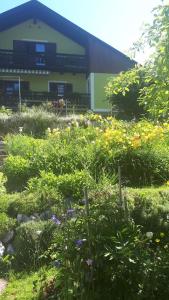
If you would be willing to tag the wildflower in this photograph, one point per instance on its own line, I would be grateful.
(149, 235)
(89, 262)
(39, 232)
(20, 129)
(55, 220)
(157, 241)
(162, 234)
(80, 242)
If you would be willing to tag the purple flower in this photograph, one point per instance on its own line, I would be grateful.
(55, 220)
(80, 242)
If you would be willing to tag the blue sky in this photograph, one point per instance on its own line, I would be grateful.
(117, 22)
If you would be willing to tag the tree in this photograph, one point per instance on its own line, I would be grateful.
(123, 92)
(154, 93)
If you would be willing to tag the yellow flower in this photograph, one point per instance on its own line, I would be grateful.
(157, 240)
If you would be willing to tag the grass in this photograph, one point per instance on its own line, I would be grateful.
(20, 286)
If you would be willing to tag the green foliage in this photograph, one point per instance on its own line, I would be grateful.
(144, 167)
(68, 185)
(18, 170)
(32, 239)
(149, 208)
(30, 203)
(154, 94)
(22, 285)
(141, 149)
(123, 92)
(6, 224)
(2, 183)
(104, 254)
(33, 122)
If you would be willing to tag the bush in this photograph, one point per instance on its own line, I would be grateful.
(68, 185)
(17, 170)
(2, 183)
(6, 224)
(31, 240)
(150, 208)
(30, 203)
(34, 122)
(105, 255)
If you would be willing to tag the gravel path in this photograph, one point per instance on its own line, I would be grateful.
(3, 284)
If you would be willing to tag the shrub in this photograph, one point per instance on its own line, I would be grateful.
(2, 183)
(150, 208)
(30, 203)
(68, 185)
(5, 200)
(31, 240)
(34, 122)
(6, 224)
(103, 255)
(17, 170)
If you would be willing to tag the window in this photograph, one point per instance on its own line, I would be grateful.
(11, 87)
(60, 88)
(40, 48)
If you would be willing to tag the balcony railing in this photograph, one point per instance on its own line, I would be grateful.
(36, 98)
(59, 62)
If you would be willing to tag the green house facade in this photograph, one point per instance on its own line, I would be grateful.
(45, 56)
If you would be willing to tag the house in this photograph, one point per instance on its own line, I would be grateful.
(43, 56)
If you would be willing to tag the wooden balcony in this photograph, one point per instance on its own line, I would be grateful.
(36, 98)
(59, 62)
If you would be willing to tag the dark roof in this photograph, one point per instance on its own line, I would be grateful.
(113, 61)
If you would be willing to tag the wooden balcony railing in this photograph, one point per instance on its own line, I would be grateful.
(36, 98)
(59, 62)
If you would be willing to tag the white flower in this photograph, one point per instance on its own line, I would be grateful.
(89, 262)
(149, 235)
(2, 249)
(20, 129)
(39, 232)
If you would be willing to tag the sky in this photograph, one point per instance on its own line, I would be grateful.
(117, 22)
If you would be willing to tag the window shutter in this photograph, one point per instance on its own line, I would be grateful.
(20, 56)
(50, 54)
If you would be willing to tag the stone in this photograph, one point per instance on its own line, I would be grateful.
(3, 284)
(23, 218)
(36, 215)
(2, 249)
(10, 249)
(8, 237)
(19, 218)
(33, 218)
